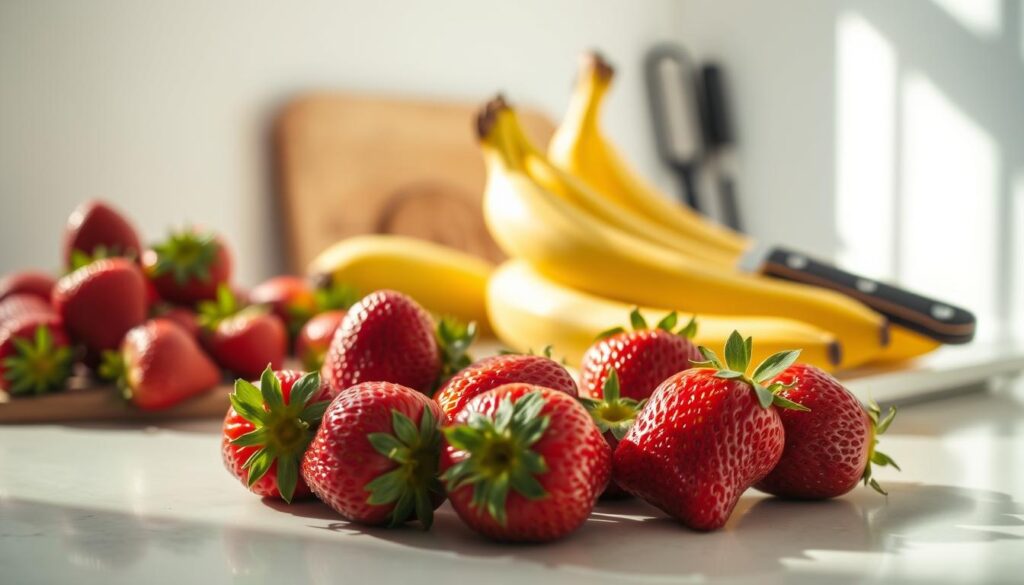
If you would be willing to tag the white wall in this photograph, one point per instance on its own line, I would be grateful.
(162, 107)
(889, 135)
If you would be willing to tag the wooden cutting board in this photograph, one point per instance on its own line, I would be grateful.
(355, 164)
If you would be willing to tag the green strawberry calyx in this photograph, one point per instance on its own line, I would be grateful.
(499, 455)
(186, 255)
(613, 413)
(81, 258)
(879, 424)
(211, 313)
(37, 365)
(412, 485)
(113, 368)
(454, 339)
(667, 323)
(282, 432)
(738, 352)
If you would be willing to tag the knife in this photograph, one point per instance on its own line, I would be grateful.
(936, 319)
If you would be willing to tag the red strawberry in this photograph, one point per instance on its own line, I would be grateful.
(159, 365)
(643, 358)
(267, 429)
(189, 266)
(831, 448)
(374, 457)
(315, 338)
(705, 436)
(100, 302)
(613, 415)
(388, 337)
(23, 304)
(524, 463)
(28, 282)
(243, 340)
(34, 355)
(289, 297)
(489, 373)
(186, 318)
(96, 230)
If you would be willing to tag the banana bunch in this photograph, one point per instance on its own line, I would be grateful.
(575, 237)
(444, 280)
(581, 149)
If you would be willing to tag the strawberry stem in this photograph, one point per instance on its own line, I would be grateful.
(738, 352)
(413, 483)
(186, 255)
(281, 431)
(37, 365)
(498, 455)
(612, 412)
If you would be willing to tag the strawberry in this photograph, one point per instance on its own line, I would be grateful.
(614, 415)
(831, 448)
(27, 282)
(524, 463)
(96, 230)
(387, 336)
(100, 302)
(489, 373)
(267, 429)
(705, 436)
(315, 338)
(643, 358)
(189, 266)
(34, 355)
(186, 318)
(374, 457)
(242, 339)
(289, 297)
(23, 304)
(159, 365)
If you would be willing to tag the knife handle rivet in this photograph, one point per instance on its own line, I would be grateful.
(942, 312)
(866, 286)
(796, 261)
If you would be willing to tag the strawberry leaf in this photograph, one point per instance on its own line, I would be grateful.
(689, 330)
(637, 320)
(409, 485)
(668, 322)
(774, 365)
(736, 356)
(609, 333)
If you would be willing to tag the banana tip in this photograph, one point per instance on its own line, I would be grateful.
(595, 61)
(884, 335)
(488, 115)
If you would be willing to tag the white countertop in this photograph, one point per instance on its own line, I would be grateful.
(119, 504)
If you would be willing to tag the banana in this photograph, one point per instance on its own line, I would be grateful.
(904, 345)
(571, 246)
(580, 148)
(539, 168)
(528, 311)
(444, 280)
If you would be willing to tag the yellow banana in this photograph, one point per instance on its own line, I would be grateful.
(580, 148)
(444, 280)
(574, 248)
(904, 345)
(555, 180)
(528, 311)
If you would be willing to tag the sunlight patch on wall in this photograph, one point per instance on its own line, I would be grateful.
(982, 17)
(948, 239)
(1017, 253)
(865, 147)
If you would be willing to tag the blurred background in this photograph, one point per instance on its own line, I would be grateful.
(886, 135)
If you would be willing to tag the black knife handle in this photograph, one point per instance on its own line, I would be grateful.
(940, 321)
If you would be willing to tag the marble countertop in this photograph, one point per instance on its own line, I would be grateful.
(112, 504)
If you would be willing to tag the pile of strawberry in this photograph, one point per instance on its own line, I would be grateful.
(165, 321)
(397, 421)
